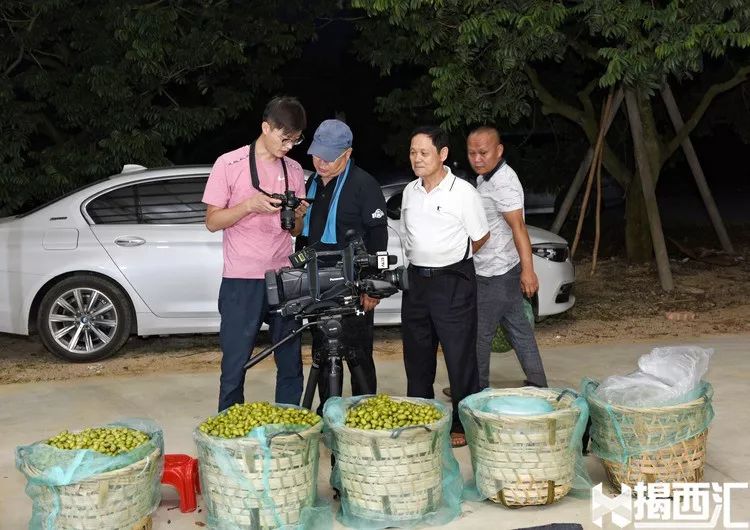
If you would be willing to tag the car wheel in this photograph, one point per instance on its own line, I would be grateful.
(84, 319)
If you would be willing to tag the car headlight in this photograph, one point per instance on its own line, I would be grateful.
(556, 252)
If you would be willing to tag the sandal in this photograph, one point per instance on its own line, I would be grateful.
(458, 439)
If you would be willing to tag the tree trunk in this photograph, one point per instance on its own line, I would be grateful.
(637, 232)
(642, 129)
(638, 239)
(697, 170)
(580, 175)
(572, 193)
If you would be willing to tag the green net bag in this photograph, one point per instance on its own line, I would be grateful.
(264, 479)
(526, 459)
(664, 443)
(401, 477)
(500, 342)
(88, 490)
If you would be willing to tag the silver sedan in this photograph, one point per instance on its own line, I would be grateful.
(130, 255)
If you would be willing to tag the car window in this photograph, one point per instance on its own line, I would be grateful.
(393, 206)
(33, 209)
(168, 201)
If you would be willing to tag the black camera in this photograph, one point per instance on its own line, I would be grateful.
(306, 288)
(289, 202)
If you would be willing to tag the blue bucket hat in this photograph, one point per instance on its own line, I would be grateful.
(331, 138)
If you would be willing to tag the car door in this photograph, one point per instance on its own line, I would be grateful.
(154, 232)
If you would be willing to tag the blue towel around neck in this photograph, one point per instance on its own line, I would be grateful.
(329, 234)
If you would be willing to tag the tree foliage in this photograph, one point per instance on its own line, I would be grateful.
(477, 52)
(492, 61)
(88, 86)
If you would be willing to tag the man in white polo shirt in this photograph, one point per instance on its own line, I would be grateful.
(505, 269)
(443, 224)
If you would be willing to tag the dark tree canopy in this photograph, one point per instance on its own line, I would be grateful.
(478, 53)
(88, 86)
(494, 61)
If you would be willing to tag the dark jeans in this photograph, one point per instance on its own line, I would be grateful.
(358, 337)
(500, 301)
(441, 309)
(243, 307)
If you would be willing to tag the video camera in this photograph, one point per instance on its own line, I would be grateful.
(307, 289)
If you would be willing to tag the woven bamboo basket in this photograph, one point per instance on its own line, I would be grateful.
(391, 475)
(523, 460)
(656, 444)
(254, 485)
(122, 499)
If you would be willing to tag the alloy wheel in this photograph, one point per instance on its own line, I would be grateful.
(83, 320)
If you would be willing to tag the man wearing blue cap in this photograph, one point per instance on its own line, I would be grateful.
(346, 198)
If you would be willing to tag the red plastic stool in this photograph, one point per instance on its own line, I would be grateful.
(181, 472)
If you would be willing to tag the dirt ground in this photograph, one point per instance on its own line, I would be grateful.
(617, 302)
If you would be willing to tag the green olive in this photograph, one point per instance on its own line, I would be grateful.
(110, 441)
(238, 420)
(383, 413)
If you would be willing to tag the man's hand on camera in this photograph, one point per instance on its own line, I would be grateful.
(262, 203)
(368, 302)
(301, 210)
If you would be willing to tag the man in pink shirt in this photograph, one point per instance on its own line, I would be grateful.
(255, 242)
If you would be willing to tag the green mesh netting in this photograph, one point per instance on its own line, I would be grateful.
(266, 479)
(86, 489)
(500, 342)
(544, 449)
(619, 432)
(393, 478)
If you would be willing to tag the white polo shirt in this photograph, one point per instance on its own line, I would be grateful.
(436, 227)
(501, 192)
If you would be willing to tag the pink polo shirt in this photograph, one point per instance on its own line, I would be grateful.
(255, 243)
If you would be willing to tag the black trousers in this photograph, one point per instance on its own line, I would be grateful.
(357, 336)
(441, 309)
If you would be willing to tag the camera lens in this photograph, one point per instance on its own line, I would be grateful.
(287, 218)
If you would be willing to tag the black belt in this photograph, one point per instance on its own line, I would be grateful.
(430, 272)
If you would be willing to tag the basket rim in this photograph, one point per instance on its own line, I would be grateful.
(409, 431)
(153, 455)
(566, 400)
(704, 399)
(247, 440)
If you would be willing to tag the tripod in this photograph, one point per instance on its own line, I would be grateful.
(331, 358)
(330, 323)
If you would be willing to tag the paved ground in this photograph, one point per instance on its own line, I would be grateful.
(178, 402)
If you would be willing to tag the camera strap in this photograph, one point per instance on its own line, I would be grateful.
(255, 181)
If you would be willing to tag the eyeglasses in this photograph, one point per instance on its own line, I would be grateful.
(291, 142)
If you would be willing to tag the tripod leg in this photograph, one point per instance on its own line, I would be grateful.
(359, 375)
(312, 384)
(335, 378)
(357, 372)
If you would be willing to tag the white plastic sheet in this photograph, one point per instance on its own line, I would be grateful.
(666, 376)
